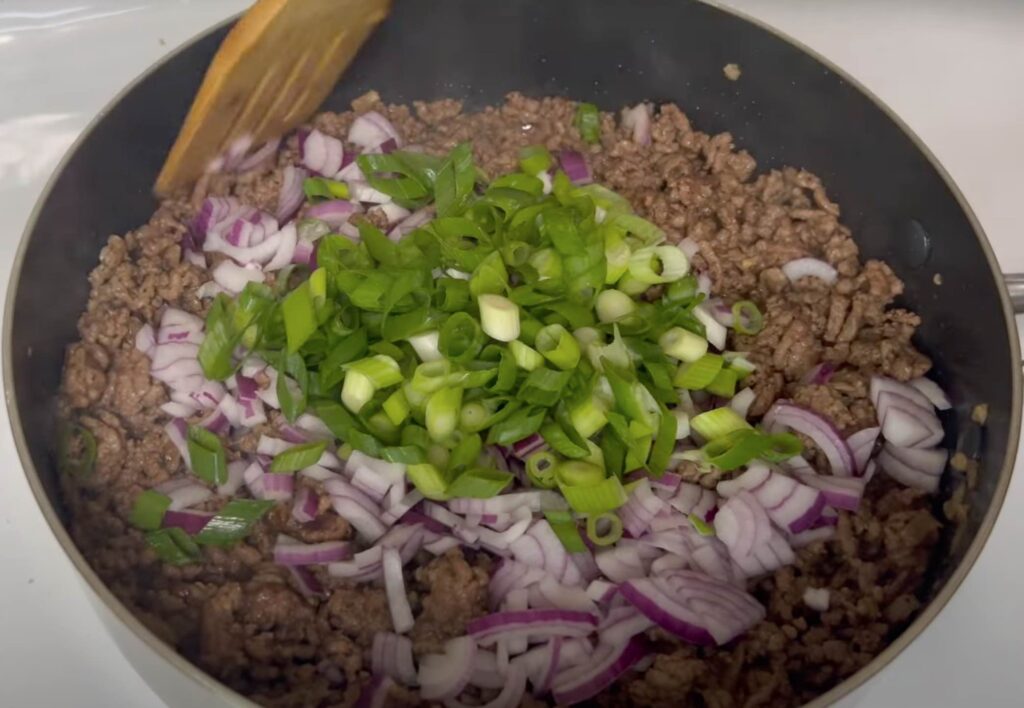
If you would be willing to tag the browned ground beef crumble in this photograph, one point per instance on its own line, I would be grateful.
(238, 617)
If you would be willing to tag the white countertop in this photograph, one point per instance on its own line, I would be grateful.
(952, 70)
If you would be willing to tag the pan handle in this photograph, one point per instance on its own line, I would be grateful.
(1015, 286)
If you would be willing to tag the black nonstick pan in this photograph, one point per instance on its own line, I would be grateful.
(789, 108)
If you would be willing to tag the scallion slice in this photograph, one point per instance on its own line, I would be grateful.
(526, 357)
(479, 483)
(575, 473)
(746, 317)
(396, 407)
(588, 122)
(700, 526)
(718, 423)
(298, 457)
(429, 480)
(724, 384)
(540, 469)
(564, 526)
(149, 509)
(442, 412)
(206, 455)
(698, 374)
(499, 317)
(534, 159)
(612, 531)
(558, 346)
(682, 344)
(614, 305)
(606, 495)
(173, 546)
(233, 522)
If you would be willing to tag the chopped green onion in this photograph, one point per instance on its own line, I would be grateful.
(664, 443)
(322, 188)
(658, 264)
(781, 446)
(534, 159)
(701, 526)
(617, 254)
(382, 371)
(611, 535)
(682, 344)
(149, 509)
(526, 357)
(396, 407)
(461, 338)
(299, 311)
(739, 363)
(698, 374)
(479, 483)
(206, 455)
(474, 416)
(564, 526)
(558, 346)
(442, 412)
(429, 480)
(641, 437)
(588, 122)
(173, 546)
(513, 428)
(575, 473)
(499, 317)
(588, 416)
(606, 495)
(746, 317)
(543, 387)
(76, 450)
(718, 423)
(682, 423)
(547, 263)
(614, 305)
(356, 391)
(233, 522)
(298, 457)
(631, 285)
(430, 376)
(426, 345)
(724, 384)
(540, 469)
(732, 451)
(490, 276)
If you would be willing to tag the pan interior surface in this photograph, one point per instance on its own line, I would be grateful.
(787, 109)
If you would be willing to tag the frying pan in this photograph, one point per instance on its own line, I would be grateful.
(789, 108)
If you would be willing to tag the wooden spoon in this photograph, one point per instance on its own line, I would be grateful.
(274, 69)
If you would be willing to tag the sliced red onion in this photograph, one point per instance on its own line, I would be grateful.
(541, 623)
(497, 541)
(291, 194)
(810, 268)
(862, 444)
(188, 520)
(442, 545)
(391, 655)
(667, 563)
(694, 499)
(601, 591)
(694, 607)
(517, 599)
(690, 247)
(637, 120)
(375, 693)
(392, 212)
(252, 231)
(233, 277)
(549, 593)
(908, 473)
(931, 461)
(305, 581)
(260, 156)
(278, 487)
(253, 254)
(334, 212)
(177, 432)
(145, 339)
(575, 167)
(371, 130)
(712, 558)
(363, 193)
(394, 586)
(485, 671)
(443, 676)
(820, 374)
(321, 153)
(290, 552)
(905, 424)
(537, 500)
(528, 445)
(839, 492)
(286, 245)
(306, 506)
(188, 495)
(411, 223)
(236, 472)
(750, 480)
(931, 390)
(512, 575)
(395, 510)
(818, 429)
(622, 624)
(742, 525)
(768, 557)
(806, 538)
(366, 522)
(541, 547)
(791, 505)
(620, 563)
(253, 477)
(884, 384)
(608, 663)
(640, 509)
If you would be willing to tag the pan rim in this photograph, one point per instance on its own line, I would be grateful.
(202, 679)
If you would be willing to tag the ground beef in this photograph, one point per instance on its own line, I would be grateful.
(239, 616)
